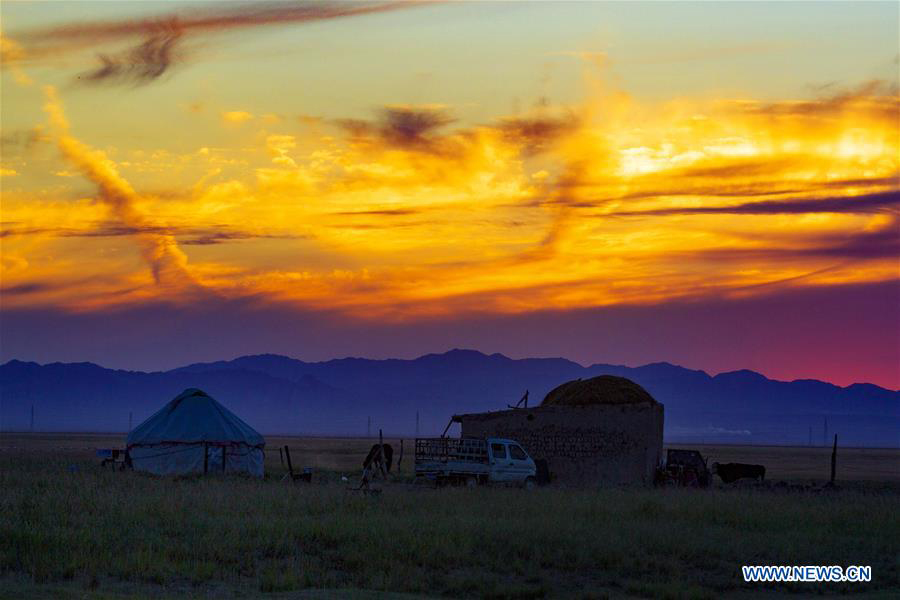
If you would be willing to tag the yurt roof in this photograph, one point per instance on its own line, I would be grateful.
(604, 389)
(194, 416)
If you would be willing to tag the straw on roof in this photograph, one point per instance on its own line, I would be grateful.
(604, 389)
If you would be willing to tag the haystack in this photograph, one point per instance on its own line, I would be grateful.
(604, 389)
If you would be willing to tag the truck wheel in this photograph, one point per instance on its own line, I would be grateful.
(530, 483)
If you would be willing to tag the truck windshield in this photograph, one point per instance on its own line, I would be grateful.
(516, 452)
(498, 450)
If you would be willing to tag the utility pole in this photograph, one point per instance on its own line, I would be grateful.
(417, 423)
(833, 458)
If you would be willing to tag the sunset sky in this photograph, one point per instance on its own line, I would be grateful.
(709, 184)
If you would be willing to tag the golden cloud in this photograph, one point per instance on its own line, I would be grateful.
(167, 261)
(406, 214)
(236, 116)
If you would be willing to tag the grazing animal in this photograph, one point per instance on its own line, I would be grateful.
(376, 461)
(731, 472)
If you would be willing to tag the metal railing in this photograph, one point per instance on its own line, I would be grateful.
(451, 449)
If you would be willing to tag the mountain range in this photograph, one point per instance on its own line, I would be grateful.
(357, 396)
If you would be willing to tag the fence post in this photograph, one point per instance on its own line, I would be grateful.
(287, 455)
(205, 457)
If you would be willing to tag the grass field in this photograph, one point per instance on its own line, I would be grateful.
(71, 530)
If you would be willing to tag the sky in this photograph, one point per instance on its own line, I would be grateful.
(709, 184)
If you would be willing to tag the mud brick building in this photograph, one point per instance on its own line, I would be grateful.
(601, 431)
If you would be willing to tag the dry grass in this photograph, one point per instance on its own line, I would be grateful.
(69, 529)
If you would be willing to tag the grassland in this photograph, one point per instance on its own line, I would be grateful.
(70, 530)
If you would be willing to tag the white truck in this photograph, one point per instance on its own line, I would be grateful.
(473, 461)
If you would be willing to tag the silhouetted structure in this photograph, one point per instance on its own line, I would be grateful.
(603, 430)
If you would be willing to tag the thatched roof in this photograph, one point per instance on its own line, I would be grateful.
(605, 389)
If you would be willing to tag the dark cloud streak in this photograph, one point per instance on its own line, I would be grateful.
(411, 128)
(161, 36)
(535, 134)
(879, 244)
(142, 64)
(25, 288)
(878, 97)
(387, 212)
(193, 236)
(868, 203)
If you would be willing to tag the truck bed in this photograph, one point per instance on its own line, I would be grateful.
(437, 457)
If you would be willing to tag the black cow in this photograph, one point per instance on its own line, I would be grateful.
(386, 459)
(731, 472)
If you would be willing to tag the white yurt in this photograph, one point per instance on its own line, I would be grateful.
(195, 434)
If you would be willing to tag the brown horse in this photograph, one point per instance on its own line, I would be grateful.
(379, 461)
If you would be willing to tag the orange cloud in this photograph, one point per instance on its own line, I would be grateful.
(609, 202)
(167, 262)
(236, 116)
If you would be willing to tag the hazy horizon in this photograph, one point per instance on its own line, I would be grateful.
(436, 352)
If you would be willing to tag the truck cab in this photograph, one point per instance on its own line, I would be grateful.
(509, 461)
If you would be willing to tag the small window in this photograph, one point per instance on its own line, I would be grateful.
(498, 450)
(516, 452)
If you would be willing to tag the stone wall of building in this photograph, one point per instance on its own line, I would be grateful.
(583, 445)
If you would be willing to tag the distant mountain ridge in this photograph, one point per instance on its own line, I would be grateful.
(279, 394)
